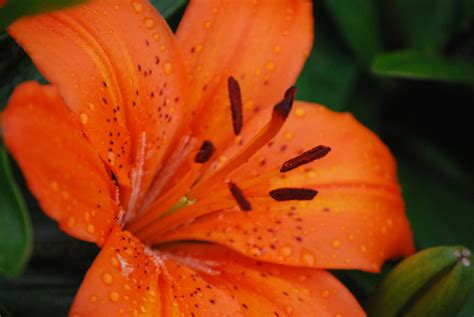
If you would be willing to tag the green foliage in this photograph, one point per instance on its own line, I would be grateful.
(15, 225)
(358, 23)
(15, 9)
(417, 65)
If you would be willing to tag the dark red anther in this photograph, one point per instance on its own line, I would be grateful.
(239, 197)
(283, 108)
(285, 194)
(205, 152)
(235, 104)
(307, 157)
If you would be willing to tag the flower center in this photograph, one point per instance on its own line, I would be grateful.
(189, 198)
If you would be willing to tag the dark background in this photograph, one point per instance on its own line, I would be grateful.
(419, 105)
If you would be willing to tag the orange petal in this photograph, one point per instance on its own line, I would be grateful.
(260, 289)
(62, 170)
(123, 280)
(356, 221)
(263, 44)
(202, 280)
(117, 67)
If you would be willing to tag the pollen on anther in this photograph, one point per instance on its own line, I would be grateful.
(309, 156)
(205, 152)
(239, 197)
(235, 104)
(285, 194)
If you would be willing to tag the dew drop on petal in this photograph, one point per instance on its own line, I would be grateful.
(149, 23)
(137, 7)
(285, 251)
(84, 118)
(307, 258)
(114, 296)
(167, 68)
(107, 278)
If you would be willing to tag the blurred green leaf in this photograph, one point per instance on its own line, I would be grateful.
(440, 212)
(428, 24)
(358, 22)
(15, 67)
(15, 9)
(416, 65)
(168, 7)
(15, 225)
(331, 72)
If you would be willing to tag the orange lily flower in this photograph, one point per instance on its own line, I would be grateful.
(180, 158)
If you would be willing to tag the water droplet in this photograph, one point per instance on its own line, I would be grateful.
(107, 278)
(167, 68)
(307, 258)
(363, 248)
(285, 251)
(54, 186)
(289, 309)
(149, 23)
(114, 261)
(270, 66)
(288, 135)
(137, 6)
(71, 222)
(90, 228)
(326, 293)
(114, 296)
(277, 48)
(299, 112)
(310, 174)
(198, 48)
(336, 243)
(207, 25)
(156, 36)
(93, 299)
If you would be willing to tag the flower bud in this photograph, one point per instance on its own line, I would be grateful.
(434, 282)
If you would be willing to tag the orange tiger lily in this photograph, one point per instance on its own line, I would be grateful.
(180, 158)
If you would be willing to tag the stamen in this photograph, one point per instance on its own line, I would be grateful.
(238, 195)
(284, 194)
(307, 157)
(279, 116)
(205, 152)
(235, 104)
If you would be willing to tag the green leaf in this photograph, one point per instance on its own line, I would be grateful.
(15, 67)
(439, 209)
(15, 9)
(15, 225)
(428, 24)
(168, 7)
(331, 72)
(358, 22)
(417, 65)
